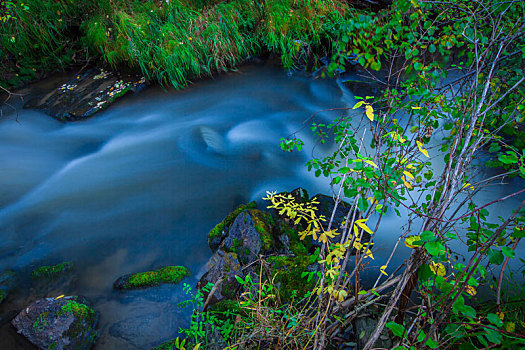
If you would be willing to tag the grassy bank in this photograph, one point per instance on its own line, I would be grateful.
(167, 41)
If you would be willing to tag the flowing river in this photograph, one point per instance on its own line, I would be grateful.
(140, 185)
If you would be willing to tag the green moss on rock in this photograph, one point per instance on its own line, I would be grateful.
(215, 235)
(263, 223)
(168, 274)
(52, 271)
(288, 271)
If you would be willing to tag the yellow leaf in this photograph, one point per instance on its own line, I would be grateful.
(408, 174)
(407, 184)
(358, 104)
(369, 112)
(60, 296)
(416, 107)
(411, 239)
(510, 326)
(371, 163)
(439, 270)
(361, 223)
(468, 186)
(382, 269)
(401, 138)
(501, 315)
(421, 149)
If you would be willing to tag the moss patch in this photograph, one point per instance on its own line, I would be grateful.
(168, 274)
(263, 223)
(52, 271)
(216, 232)
(288, 271)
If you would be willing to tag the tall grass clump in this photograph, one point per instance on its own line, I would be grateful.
(175, 41)
(36, 35)
(168, 41)
(299, 28)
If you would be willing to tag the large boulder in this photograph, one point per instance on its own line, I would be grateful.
(58, 323)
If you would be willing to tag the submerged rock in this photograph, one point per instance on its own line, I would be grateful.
(86, 94)
(52, 272)
(7, 282)
(64, 323)
(168, 274)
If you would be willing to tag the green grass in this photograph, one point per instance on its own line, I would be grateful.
(171, 42)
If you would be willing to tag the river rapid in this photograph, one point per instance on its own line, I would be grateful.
(140, 185)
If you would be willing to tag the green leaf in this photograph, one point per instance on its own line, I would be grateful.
(509, 158)
(397, 329)
(495, 257)
(428, 236)
(424, 272)
(518, 232)
(434, 248)
(508, 252)
(493, 336)
(494, 147)
(495, 320)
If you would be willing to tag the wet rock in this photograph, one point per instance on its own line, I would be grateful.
(243, 238)
(222, 266)
(64, 323)
(86, 94)
(52, 272)
(143, 331)
(167, 274)
(220, 231)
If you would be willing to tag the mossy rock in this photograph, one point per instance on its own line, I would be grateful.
(287, 273)
(226, 266)
(218, 233)
(168, 274)
(52, 272)
(63, 323)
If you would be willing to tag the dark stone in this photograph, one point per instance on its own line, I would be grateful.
(223, 265)
(86, 94)
(243, 238)
(64, 323)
